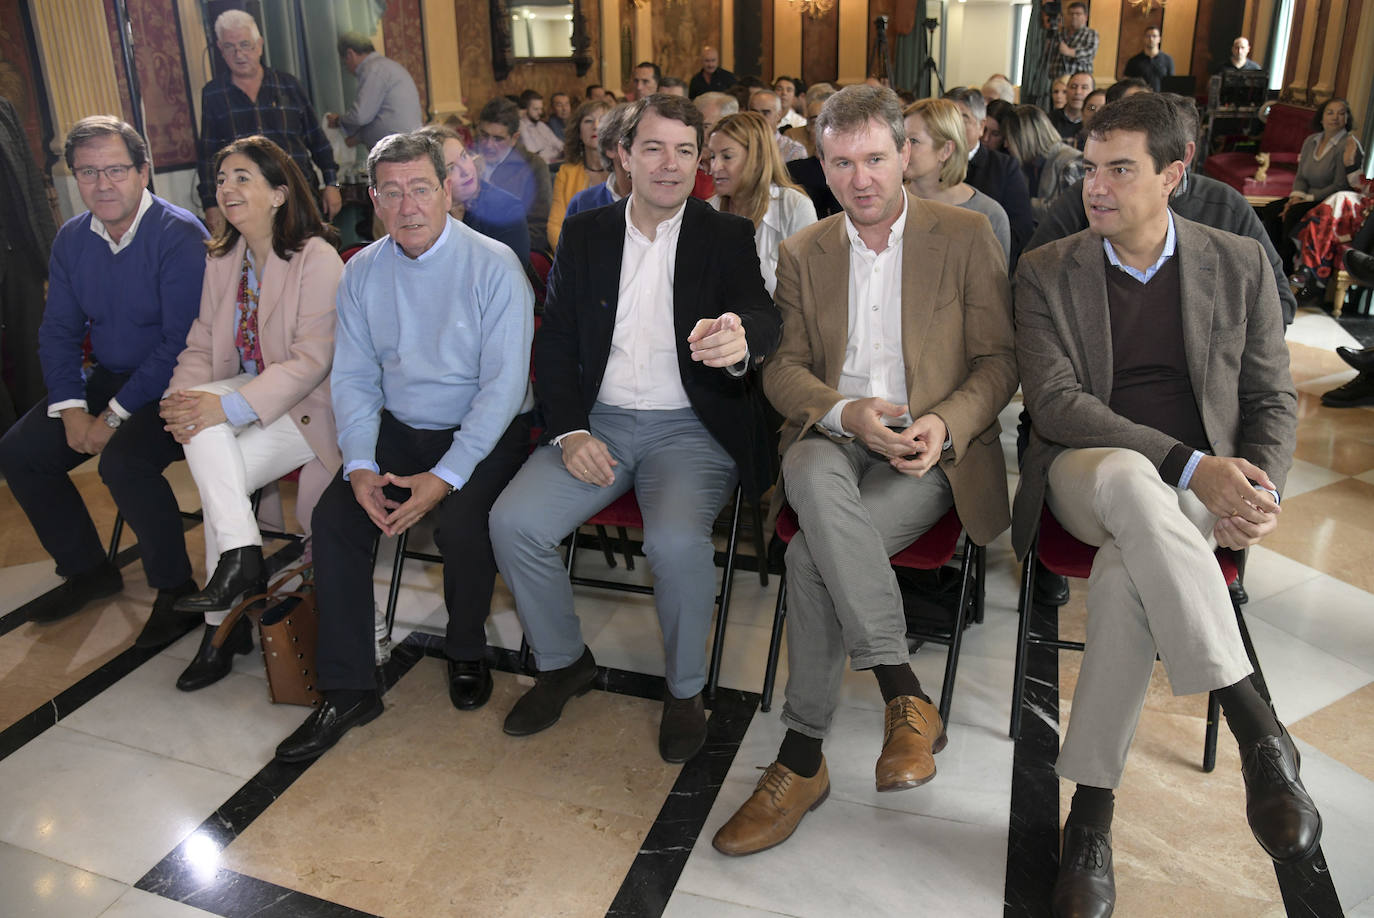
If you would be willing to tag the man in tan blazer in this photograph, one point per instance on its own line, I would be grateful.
(1163, 425)
(896, 357)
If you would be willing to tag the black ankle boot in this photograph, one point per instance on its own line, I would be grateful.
(213, 663)
(240, 572)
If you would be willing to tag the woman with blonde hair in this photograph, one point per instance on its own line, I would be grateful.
(1050, 165)
(752, 182)
(938, 164)
(1059, 92)
(583, 166)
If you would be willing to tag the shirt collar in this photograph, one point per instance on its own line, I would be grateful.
(894, 235)
(664, 226)
(972, 152)
(438, 243)
(610, 186)
(98, 225)
(1170, 242)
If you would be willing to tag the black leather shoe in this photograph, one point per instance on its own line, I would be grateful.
(1238, 594)
(540, 707)
(1359, 391)
(1085, 887)
(75, 592)
(213, 663)
(240, 572)
(165, 624)
(682, 731)
(1361, 359)
(1051, 589)
(1360, 266)
(1281, 814)
(325, 726)
(469, 684)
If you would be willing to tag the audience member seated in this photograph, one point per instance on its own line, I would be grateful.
(808, 172)
(1091, 106)
(999, 89)
(1359, 262)
(512, 168)
(629, 403)
(560, 112)
(386, 100)
(252, 99)
(1068, 121)
(1240, 57)
(1050, 165)
(536, 136)
(128, 272)
(1059, 92)
(672, 86)
(618, 183)
(1326, 230)
(768, 104)
(249, 398)
(711, 77)
(646, 76)
(938, 161)
(993, 172)
(480, 205)
(596, 92)
(1156, 439)
(713, 107)
(992, 124)
(877, 447)
(1151, 64)
(443, 430)
(792, 94)
(1331, 160)
(583, 165)
(752, 182)
(1123, 88)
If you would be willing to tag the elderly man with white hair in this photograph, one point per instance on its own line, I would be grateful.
(253, 99)
(767, 104)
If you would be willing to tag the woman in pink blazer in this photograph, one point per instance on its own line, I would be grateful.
(249, 398)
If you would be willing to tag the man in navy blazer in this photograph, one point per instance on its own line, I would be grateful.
(655, 315)
(993, 172)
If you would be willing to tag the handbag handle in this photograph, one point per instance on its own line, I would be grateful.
(240, 610)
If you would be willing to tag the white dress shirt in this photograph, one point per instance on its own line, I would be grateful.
(873, 362)
(642, 370)
(791, 118)
(789, 211)
(539, 138)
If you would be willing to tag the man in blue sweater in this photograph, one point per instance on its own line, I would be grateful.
(432, 398)
(128, 271)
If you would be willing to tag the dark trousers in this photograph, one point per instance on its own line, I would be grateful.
(35, 459)
(345, 535)
(1283, 229)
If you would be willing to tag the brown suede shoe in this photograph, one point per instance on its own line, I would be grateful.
(772, 812)
(912, 734)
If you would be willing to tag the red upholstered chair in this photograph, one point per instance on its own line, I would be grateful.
(1062, 554)
(930, 552)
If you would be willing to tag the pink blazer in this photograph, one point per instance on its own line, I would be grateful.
(296, 332)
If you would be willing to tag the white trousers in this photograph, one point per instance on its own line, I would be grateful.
(229, 463)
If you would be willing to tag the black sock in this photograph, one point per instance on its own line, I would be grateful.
(800, 753)
(898, 679)
(344, 699)
(1091, 806)
(1247, 714)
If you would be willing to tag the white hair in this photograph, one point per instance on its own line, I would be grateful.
(777, 101)
(233, 20)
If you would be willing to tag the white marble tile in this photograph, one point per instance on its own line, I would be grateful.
(1317, 329)
(1321, 384)
(1345, 799)
(36, 886)
(23, 582)
(1308, 476)
(230, 726)
(1364, 910)
(101, 806)
(1268, 573)
(1327, 613)
(1367, 477)
(876, 850)
(686, 905)
(135, 903)
(1301, 678)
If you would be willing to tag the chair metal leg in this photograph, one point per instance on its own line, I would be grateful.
(1023, 610)
(981, 577)
(394, 592)
(115, 536)
(760, 544)
(625, 547)
(727, 582)
(605, 541)
(770, 672)
(956, 637)
(1209, 745)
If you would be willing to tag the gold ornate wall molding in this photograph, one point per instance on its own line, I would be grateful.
(74, 46)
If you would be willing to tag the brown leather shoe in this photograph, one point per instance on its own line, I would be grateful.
(912, 734)
(773, 810)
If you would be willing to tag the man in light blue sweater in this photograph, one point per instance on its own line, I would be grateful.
(431, 394)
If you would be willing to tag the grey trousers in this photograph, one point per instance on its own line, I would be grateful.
(681, 477)
(843, 600)
(1155, 588)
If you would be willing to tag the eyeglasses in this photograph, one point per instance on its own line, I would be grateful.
(89, 175)
(245, 46)
(420, 194)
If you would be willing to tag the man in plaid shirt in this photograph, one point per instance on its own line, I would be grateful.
(1072, 51)
(253, 99)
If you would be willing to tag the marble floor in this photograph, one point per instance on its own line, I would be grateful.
(120, 796)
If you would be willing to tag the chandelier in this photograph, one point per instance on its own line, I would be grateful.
(813, 8)
(1146, 6)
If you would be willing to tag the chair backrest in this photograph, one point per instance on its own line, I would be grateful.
(1286, 128)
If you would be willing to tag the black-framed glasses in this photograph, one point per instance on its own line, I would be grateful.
(89, 175)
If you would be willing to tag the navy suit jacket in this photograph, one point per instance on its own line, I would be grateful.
(717, 271)
(999, 177)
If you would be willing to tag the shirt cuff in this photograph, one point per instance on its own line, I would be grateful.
(832, 420)
(1270, 492)
(739, 369)
(1189, 469)
(236, 409)
(118, 409)
(56, 408)
(558, 440)
(451, 478)
(351, 467)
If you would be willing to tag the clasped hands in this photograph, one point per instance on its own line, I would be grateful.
(913, 451)
(394, 517)
(187, 412)
(1226, 487)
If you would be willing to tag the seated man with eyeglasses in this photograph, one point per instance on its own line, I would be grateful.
(128, 273)
(431, 396)
(509, 166)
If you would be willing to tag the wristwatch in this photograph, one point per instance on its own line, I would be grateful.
(112, 420)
